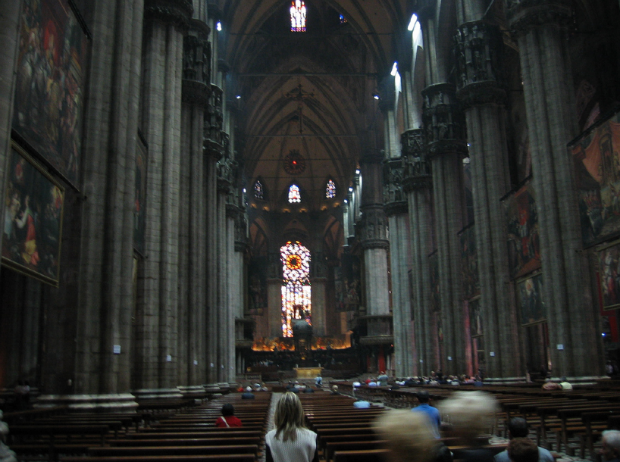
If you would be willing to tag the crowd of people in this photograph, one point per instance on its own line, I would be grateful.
(415, 435)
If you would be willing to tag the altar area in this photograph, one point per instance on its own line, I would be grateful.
(307, 372)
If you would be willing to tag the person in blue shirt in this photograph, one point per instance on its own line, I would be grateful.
(432, 413)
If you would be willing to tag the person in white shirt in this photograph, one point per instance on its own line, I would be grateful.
(290, 441)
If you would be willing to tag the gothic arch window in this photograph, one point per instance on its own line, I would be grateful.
(298, 16)
(330, 189)
(294, 195)
(259, 190)
(296, 293)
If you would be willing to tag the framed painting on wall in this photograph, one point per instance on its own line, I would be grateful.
(33, 215)
(50, 84)
(609, 271)
(596, 156)
(529, 291)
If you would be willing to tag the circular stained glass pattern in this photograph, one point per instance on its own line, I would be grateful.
(294, 163)
(293, 262)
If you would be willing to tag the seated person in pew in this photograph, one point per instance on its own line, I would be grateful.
(611, 445)
(518, 428)
(431, 412)
(290, 441)
(522, 450)
(361, 404)
(248, 393)
(471, 414)
(228, 418)
(410, 438)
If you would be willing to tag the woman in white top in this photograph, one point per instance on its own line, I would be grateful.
(290, 441)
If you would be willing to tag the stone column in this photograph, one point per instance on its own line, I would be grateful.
(395, 207)
(192, 236)
(105, 270)
(213, 153)
(417, 185)
(479, 50)
(9, 37)
(374, 237)
(445, 137)
(274, 295)
(540, 28)
(319, 283)
(165, 24)
(224, 225)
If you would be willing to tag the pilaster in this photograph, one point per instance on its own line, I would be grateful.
(165, 24)
(446, 146)
(417, 185)
(540, 27)
(395, 207)
(481, 91)
(106, 265)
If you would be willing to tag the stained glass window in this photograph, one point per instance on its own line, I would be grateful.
(293, 194)
(258, 190)
(296, 295)
(342, 19)
(330, 190)
(298, 16)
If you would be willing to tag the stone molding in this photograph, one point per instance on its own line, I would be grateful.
(393, 195)
(176, 12)
(197, 64)
(113, 402)
(375, 244)
(417, 170)
(158, 393)
(214, 120)
(373, 225)
(377, 340)
(524, 15)
(478, 48)
(444, 121)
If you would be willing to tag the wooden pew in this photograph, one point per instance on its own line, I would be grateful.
(124, 451)
(182, 458)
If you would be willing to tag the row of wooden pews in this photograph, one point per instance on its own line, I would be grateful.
(567, 421)
(179, 433)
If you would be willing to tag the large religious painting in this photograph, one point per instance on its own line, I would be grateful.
(32, 219)
(139, 213)
(597, 165)
(475, 317)
(523, 234)
(257, 277)
(433, 265)
(49, 83)
(609, 271)
(469, 263)
(351, 285)
(530, 296)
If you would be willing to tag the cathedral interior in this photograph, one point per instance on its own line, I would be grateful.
(197, 190)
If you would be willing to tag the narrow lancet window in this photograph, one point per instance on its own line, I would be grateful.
(330, 190)
(298, 16)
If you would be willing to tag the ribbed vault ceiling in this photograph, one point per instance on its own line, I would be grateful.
(338, 67)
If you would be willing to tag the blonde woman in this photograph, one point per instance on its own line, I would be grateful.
(290, 441)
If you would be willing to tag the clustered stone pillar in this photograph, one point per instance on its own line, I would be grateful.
(481, 91)
(374, 238)
(110, 143)
(446, 147)
(318, 294)
(165, 24)
(540, 28)
(395, 207)
(192, 237)
(417, 185)
(213, 153)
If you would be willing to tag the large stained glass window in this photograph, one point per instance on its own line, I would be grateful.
(293, 194)
(298, 16)
(330, 189)
(296, 301)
